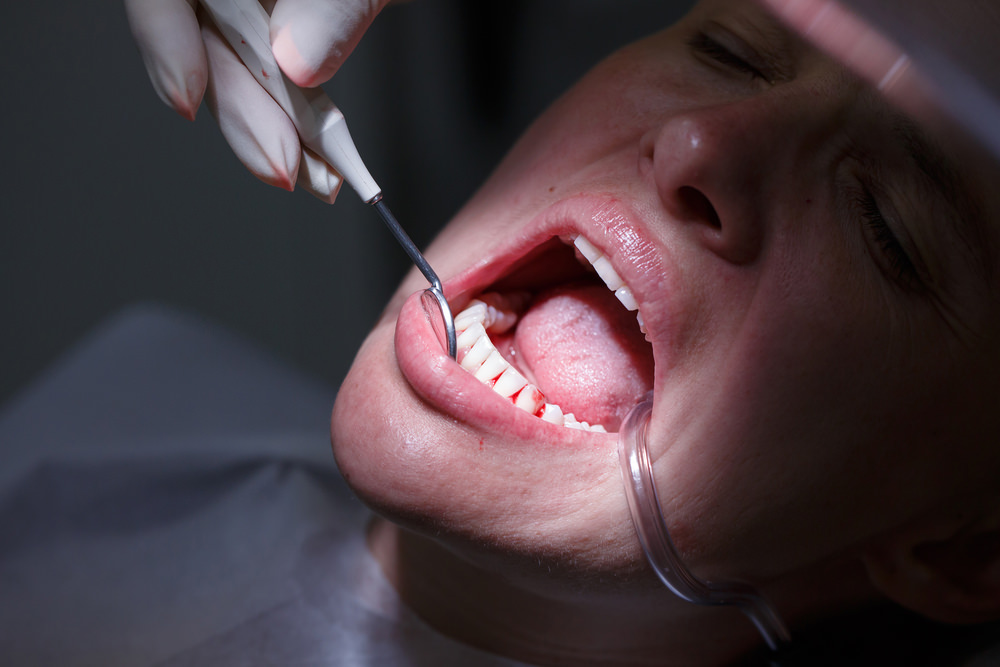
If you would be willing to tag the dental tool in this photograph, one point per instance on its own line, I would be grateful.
(644, 506)
(321, 127)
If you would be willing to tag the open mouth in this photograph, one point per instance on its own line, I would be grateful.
(560, 337)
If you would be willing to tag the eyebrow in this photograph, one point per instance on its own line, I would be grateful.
(968, 223)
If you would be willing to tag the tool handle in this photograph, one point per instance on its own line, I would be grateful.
(320, 124)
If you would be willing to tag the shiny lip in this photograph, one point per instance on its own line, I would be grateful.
(606, 222)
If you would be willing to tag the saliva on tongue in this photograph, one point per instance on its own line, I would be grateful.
(584, 352)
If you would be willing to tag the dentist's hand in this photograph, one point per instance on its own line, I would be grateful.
(187, 59)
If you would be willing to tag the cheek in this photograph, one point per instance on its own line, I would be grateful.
(778, 435)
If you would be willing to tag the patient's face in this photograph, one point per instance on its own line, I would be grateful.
(821, 322)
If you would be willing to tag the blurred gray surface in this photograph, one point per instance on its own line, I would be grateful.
(109, 198)
(171, 500)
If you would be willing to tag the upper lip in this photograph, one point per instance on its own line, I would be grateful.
(608, 223)
(604, 221)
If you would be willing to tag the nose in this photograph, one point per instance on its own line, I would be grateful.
(713, 168)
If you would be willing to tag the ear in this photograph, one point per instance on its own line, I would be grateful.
(946, 569)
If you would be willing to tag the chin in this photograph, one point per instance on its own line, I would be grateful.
(512, 451)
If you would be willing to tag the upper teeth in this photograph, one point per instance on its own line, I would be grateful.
(478, 355)
(602, 265)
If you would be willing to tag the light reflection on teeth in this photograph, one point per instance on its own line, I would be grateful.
(602, 265)
(624, 295)
(529, 399)
(470, 335)
(553, 414)
(474, 314)
(587, 249)
(509, 383)
(492, 368)
(607, 273)
(495, 313)
(477, 354)
(570, 421)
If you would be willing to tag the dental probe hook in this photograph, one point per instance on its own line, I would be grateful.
(436, 289)
(319, 123)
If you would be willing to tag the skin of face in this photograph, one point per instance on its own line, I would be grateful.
(824, 324)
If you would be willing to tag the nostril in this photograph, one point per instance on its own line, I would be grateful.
(697, 207)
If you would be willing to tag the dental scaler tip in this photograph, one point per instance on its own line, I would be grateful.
(320, 125)
(436, 289)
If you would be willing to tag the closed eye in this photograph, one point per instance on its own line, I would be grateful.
(705, 45)
(893, 256)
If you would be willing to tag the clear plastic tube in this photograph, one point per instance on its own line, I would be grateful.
(644, 503)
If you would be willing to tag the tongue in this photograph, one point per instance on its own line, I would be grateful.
(584, 350)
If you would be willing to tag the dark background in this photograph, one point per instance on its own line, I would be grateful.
(109, 198)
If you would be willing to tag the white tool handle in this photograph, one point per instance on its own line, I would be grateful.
(320, 124)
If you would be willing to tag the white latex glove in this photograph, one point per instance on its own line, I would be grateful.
(187, 59)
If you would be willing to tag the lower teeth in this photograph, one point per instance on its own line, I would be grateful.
(478, 355)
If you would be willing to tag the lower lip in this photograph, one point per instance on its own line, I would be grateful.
(453, 391)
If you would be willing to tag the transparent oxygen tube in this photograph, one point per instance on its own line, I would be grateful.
(644, 503)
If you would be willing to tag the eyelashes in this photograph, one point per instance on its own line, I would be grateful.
(895, 258)
(705, 45)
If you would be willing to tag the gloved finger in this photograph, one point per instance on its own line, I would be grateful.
(170, 43)
(317, 177)
(312, 38)
(259, 132)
